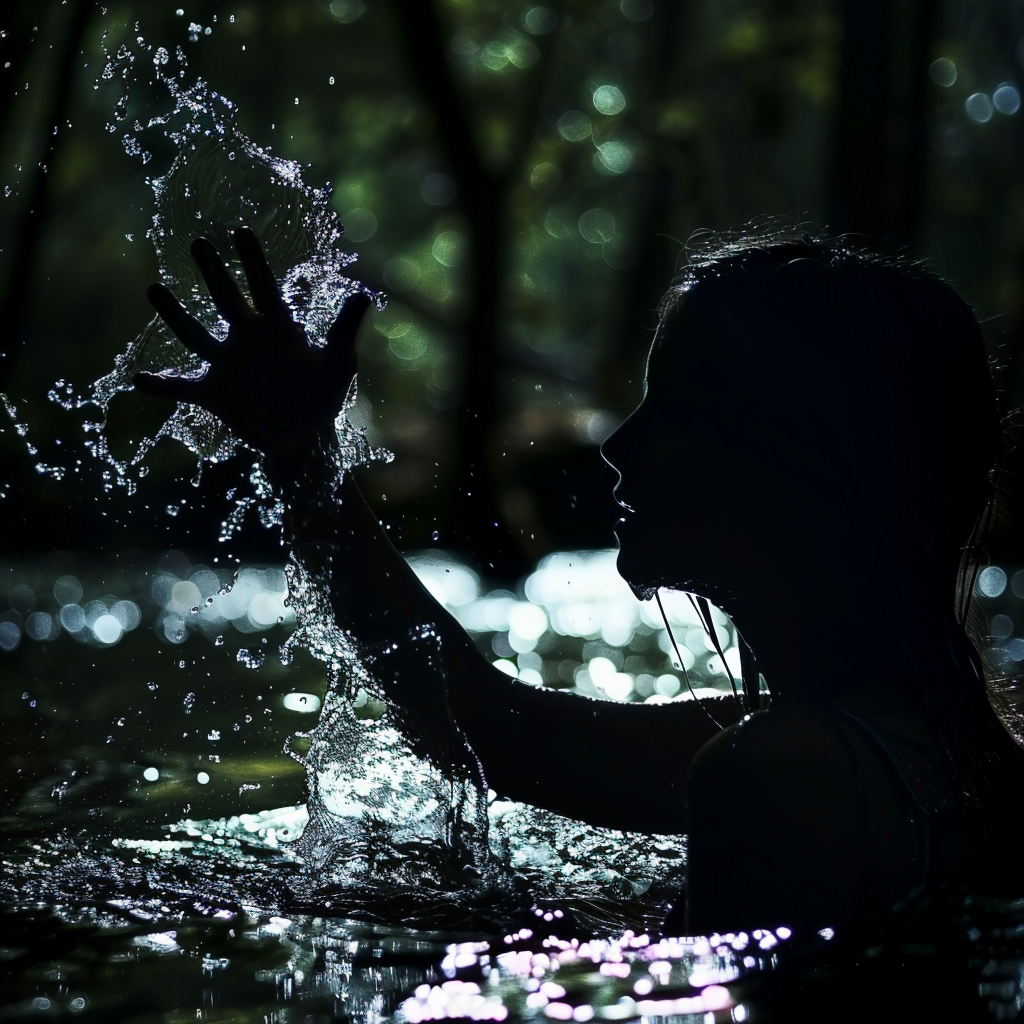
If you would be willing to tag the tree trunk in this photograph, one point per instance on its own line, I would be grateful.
(879, 149)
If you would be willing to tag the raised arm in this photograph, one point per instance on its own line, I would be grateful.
(621, 765)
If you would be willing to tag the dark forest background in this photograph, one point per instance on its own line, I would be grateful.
(521, 179)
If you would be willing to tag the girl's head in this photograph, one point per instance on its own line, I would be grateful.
(818, 429)
(808, 407)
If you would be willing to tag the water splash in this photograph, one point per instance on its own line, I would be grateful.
(391, 806)
(394, 805)
(215, 179)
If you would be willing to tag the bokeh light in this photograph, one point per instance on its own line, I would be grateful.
(438, 188)
(614, 156)
(637, 10)
(943, 72)
(449, 248)
(991, 581)
(347, 11)
(360, 224)
(540, 20)
(597, 226)
(1006, 99)
(574, 126)
(979, 107)
(609, 100)
(573, 623)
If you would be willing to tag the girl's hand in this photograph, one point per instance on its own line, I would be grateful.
(269, 385)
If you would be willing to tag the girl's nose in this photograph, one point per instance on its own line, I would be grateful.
(615, 449)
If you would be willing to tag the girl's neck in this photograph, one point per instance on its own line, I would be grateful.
(816, 642)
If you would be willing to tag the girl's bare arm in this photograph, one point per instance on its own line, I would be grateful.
(617, 764)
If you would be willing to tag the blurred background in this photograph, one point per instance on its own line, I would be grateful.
(521, 179)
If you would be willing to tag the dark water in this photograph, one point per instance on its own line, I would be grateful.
(155, 785)
(151, 869)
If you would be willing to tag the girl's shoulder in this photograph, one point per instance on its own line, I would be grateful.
(831, 827)
(867, 732)
(796, 734)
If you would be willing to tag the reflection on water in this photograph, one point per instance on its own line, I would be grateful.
(111, 964)
(141, 957)
(144, 877)
(247, 966)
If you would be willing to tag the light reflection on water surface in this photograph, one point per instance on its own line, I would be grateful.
(144, 877)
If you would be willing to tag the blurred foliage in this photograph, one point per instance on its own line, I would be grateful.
(520, 179)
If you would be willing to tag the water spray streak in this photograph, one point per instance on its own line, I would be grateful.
(215, 179)
(378, 813)
(393, 813)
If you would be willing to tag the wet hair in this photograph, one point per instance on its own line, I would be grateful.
(891, 365)
(839, 326)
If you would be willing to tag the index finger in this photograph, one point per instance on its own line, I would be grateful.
(341, 335)
(190, 332)
(223, 288)
(266, 296)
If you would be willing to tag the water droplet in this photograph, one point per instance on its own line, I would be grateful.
(250, 659)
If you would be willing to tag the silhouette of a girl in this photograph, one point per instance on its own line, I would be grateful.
(852, 401)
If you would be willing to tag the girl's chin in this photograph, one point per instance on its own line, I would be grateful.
(646, 575)
(641, 577)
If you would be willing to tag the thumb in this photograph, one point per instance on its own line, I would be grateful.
(341, 335)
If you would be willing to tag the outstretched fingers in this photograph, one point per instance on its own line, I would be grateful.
(266, 296)
(192, 334)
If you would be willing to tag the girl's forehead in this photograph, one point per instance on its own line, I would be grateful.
(716, 360)
(692, 339)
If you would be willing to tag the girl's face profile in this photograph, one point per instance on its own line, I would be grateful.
(721, 466)
(674, 472)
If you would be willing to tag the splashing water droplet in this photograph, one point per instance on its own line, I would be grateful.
(217, 180)
(374, 801)
(251, 659)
